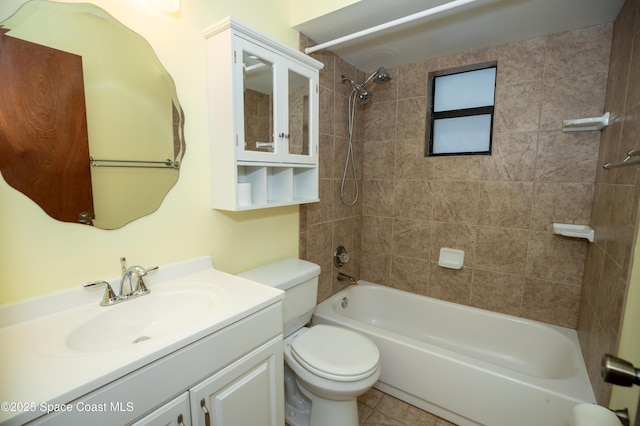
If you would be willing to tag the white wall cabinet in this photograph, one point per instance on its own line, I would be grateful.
(263, 118)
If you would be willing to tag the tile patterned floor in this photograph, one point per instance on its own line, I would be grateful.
(375, 408)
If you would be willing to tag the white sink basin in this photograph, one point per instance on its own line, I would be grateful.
(65, 345)
(166, 310)
(163, 311)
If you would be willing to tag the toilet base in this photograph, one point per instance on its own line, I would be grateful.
(332, 403)
(305, 408)
(297, 406)
(331, 412)
(295, 417)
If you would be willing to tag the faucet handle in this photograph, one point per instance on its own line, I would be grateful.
(141, 288)
(109, 297)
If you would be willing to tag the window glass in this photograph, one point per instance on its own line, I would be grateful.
(462, 134)
(461, 110)
(465, 90)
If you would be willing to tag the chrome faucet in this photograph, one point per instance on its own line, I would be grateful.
(128, 275)
(131, 284)
(345, 277)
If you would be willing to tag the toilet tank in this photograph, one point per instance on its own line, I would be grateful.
(299, 280)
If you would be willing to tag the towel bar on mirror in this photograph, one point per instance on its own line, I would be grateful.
(145, 164)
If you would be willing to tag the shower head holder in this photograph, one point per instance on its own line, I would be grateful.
(379, 76)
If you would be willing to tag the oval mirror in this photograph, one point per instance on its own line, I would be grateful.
(91, 128)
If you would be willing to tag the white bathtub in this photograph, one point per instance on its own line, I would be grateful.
(464, 364)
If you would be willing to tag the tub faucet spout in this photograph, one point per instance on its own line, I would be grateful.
(345, 277)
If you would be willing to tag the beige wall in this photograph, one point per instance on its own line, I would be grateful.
(39, 255)
(615, 209)
(497, 208)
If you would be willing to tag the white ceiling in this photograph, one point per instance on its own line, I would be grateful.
(472, 26)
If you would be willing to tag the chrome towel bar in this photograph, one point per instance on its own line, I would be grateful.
(145, 164)
(629, 161)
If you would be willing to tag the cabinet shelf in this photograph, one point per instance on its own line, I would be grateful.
(278, 185)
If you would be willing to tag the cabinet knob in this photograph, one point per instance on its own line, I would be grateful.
(283, 135)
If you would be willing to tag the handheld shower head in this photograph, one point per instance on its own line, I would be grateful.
(359, 95)
(362, 95)
(381, 75)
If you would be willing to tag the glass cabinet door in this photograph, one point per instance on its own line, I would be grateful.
(256, 137)
(301, 102)
(278, 103)
(298, 114)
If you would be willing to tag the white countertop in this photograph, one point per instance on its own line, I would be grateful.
(34, 373)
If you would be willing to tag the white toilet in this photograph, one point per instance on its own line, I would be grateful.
(326, 367)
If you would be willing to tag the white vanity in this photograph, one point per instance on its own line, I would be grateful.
(203, 348)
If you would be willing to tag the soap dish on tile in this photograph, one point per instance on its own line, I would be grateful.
(451, 258)
(574, 231)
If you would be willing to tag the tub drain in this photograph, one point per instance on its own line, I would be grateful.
(345, 303)
(141, 339)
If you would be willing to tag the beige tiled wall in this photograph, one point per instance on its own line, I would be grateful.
(615, 207)
(498, 209)
(329, 223)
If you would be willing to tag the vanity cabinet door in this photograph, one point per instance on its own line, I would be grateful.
(173, 413)
(248, 392)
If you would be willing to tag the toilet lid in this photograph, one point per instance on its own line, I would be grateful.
(336, 353)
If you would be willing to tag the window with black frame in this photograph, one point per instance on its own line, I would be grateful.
(460, 108)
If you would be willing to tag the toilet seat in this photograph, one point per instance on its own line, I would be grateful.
(335, 353)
